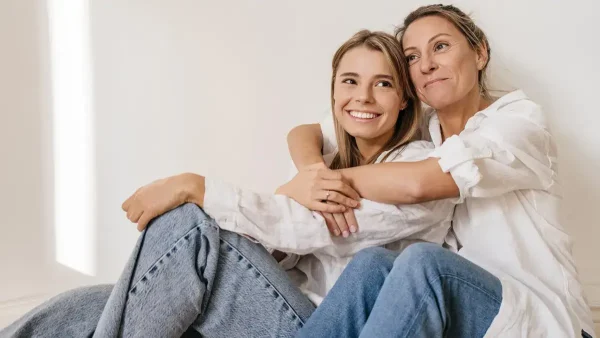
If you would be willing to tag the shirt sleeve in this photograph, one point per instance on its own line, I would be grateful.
(328, 131)
(280, 223)
(510, 149)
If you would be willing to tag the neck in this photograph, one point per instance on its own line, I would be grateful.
(454, 117)
(370, 147)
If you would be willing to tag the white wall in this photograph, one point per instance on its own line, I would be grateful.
(214, 86)
(20, 149)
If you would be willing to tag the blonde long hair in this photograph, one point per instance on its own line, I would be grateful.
(407, 125)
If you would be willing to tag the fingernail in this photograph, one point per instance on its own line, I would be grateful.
(355, 203)
(337, 232)
(353, 229)
(346, 234)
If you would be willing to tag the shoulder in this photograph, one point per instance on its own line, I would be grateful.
(515, 107)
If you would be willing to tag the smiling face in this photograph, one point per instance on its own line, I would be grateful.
(366, 101)
(443, 66)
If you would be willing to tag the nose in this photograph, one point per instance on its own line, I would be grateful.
(428, 64)
(364, 94)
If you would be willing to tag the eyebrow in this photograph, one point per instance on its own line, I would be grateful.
(432, 38)
(378, 76)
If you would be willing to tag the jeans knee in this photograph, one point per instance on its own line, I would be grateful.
(182, 218)
(187, 213)
(420, 256)
(170, 227)
(374, 258)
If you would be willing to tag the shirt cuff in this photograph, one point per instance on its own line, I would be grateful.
(220, 203)
(457, 158)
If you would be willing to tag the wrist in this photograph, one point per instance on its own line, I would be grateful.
(194, 188)
(314, 165)
(347, 176)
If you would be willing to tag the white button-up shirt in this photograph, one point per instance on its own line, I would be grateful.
(506, 218)
(317, 259)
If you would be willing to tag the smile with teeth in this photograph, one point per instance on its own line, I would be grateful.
(362, 115)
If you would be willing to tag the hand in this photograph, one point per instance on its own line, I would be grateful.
(316, 185)
(160, 196)
(341, 223)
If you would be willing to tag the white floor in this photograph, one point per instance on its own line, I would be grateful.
(10, 311)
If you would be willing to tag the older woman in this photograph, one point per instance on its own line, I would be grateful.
(511, 271)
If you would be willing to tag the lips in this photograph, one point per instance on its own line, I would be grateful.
(430, 82)
(363, 115)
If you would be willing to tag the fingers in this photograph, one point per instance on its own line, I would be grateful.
(145, 218)
(134, 214)
(351, 220)
(324, 207)
(341, 187)
(127, 203)
(334, 196)
(331, 223)
(342, 225)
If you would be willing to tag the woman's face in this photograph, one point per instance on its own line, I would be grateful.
(443, 66)
(366, 103)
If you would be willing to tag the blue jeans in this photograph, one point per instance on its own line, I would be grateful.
(426, 291)
(185, 277)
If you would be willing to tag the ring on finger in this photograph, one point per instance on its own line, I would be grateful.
(327, 195)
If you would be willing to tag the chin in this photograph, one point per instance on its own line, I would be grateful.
(361, 134)
(438, 102)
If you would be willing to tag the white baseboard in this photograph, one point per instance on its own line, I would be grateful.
(13, 309)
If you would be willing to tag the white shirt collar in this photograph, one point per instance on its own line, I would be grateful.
(435, 130)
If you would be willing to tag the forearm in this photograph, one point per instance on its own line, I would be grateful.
(275, 221)
(305, 144)
(402, 182)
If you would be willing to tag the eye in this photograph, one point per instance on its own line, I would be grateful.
(384, 84)
(441, 46)
(349, 81)
(411, 58)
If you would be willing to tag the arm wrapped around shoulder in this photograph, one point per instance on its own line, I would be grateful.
(505, 150)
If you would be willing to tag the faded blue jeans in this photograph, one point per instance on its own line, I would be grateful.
(185, 276)
(426, 291)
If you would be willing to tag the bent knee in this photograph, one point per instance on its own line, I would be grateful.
(421, 255)
(179, 220)
(374, 258)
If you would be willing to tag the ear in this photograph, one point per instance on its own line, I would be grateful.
(482, 56)
(403, 105)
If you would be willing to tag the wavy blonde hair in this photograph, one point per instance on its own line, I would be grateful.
(407, 125)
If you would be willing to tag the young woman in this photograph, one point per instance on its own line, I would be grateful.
(191, 273)
(512, 272)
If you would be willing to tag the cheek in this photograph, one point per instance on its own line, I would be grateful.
(466, 71)
(340, 99)
(415, 75)
(391, 104)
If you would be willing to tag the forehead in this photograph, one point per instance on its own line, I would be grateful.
(364, 61)
(421, 30)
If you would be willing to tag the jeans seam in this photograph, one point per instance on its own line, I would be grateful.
(267, 279)
(167, 254)
(422, 301)
(482, 290)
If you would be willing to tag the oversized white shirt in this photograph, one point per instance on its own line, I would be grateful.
(318, 259)
(506, 218)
